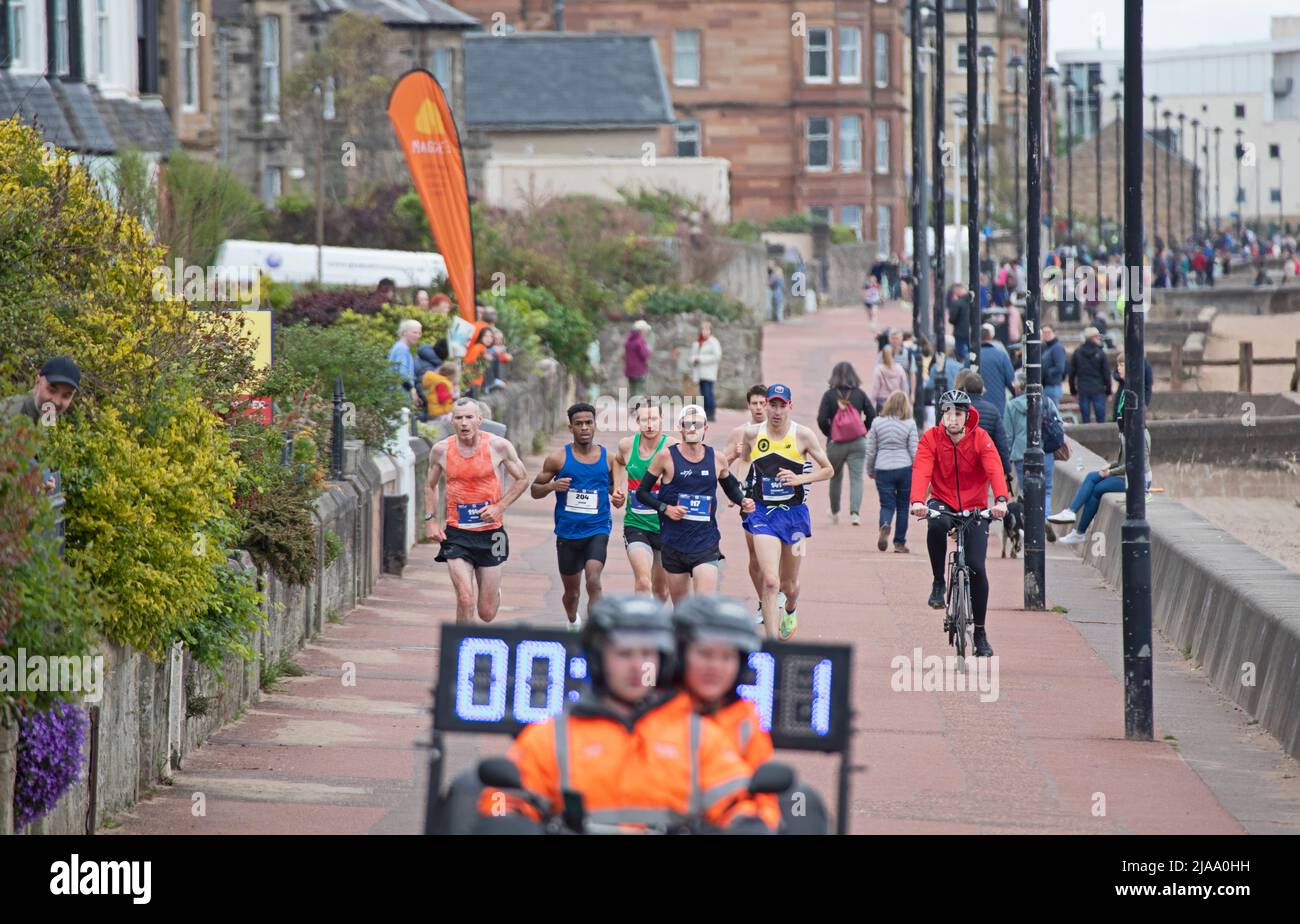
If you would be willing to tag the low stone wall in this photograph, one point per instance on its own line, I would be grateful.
(848, 268)
(533, 409)
(153, 715)
(670, 342)
(1236, 610)
(1227, 440)
(1237, 297)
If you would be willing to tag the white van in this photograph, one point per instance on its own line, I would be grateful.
(353, 266)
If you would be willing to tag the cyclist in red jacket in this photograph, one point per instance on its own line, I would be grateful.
(956, 463)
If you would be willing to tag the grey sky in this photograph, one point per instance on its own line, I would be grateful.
(1074, 24)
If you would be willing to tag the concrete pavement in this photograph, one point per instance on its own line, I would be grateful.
(1048, 755)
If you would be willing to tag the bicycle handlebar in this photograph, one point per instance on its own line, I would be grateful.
(960, 515)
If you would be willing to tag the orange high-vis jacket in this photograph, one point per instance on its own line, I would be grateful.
(667, 765)
(740, 722)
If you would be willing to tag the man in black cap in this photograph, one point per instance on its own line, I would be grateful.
(56, 386)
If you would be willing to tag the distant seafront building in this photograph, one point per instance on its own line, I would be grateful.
(87, 74)
(1252, 86)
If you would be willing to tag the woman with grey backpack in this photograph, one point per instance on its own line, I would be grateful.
(891, 448)
(844, 417)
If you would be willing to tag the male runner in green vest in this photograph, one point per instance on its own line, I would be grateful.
(640, 523)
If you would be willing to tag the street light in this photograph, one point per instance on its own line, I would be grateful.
(1276, 151)
(1051, 74)
(940, 206)
(987, 54)
(1069, 85)
(1095, 100)
(325, 92)
(1196, 154)
(920, 248)
(1155, 168)
(1118, 98)
(1169, 179)
(973, 179)
(1241, 193)
(1034, 488)
(1218, 177)
(1017, 64)
(1182, 181)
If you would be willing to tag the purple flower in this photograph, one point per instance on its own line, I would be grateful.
(49, 759)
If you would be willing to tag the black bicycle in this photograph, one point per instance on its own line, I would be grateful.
(960, 620)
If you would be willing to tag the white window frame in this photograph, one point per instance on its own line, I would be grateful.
(272, 184)
(682, 52)
(17, 24)
(882, 146)
(447, 54)
(62, 63)
(852, 146)
(885, 223)
(826, 49)
(103, 39)
(853, 73)
(270, 67)
(189, 57)
(856, 226)
(688, 128)
(809, 138)
(880, 53)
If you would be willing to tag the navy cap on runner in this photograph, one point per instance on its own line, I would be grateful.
(778, 391)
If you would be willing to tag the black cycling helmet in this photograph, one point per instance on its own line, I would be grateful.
(956, 398)
(629, 619)
(714, 618)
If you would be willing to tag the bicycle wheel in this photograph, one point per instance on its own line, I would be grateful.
(961, 613)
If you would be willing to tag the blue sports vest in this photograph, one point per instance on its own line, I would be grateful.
(583, 510)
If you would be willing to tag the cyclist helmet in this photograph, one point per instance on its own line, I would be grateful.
(713, 618)
(629, 619)
(954, 397)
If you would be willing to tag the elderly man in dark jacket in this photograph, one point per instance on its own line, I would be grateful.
(1090, 376)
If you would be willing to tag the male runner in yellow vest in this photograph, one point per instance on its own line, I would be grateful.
(780, 525)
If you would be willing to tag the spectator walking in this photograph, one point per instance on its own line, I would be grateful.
(871, 297)
(1015, 421)
(960, 307)
(1110, 479)
(996, 372)
(776, 285)
(636, 357)
(1055, 364)
(400, 358)
(1089, 375)
(890, 451)
(844, 418)
(888, 378)
(706, 357)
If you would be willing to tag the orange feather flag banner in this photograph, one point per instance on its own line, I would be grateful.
(430, 140)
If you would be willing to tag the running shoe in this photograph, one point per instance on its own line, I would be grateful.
(780, 603)
(1073, 537)
(789, 625)
(1064, 518)
(576, 624)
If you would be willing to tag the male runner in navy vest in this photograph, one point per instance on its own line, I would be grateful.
(688, 506)
(580, 477)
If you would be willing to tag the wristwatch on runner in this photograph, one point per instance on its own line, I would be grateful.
(428, 517)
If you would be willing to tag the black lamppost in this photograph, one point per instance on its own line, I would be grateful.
(1094, 90)
(1017, 64)
(1182, 181)
(1196, 160)
(940, 205)
(1035, 482)
(1241, 193)
(1155, 171)
(1118, 98)
(1218, 178)
(1051, 74)
(1169, 184)
(920, 247)
(1069, 85)
(1276, 151)
(987, 54)
(1139, 717)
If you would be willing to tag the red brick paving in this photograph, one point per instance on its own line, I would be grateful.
(318, 757)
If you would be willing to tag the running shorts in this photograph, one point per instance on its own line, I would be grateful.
(633, 534)
(575, 553)
(478, 546)
(676, 562)
(789, 524)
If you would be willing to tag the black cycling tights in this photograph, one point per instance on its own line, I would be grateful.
(977, 545)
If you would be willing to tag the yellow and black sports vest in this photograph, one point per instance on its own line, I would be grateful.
(766, 459)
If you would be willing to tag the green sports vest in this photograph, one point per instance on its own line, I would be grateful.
(636, 515)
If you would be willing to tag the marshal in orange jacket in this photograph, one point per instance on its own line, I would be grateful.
(740, 722)
(663, 765)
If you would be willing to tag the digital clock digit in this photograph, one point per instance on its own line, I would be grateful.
(760, 692)
(481, 679)
(539, 694)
